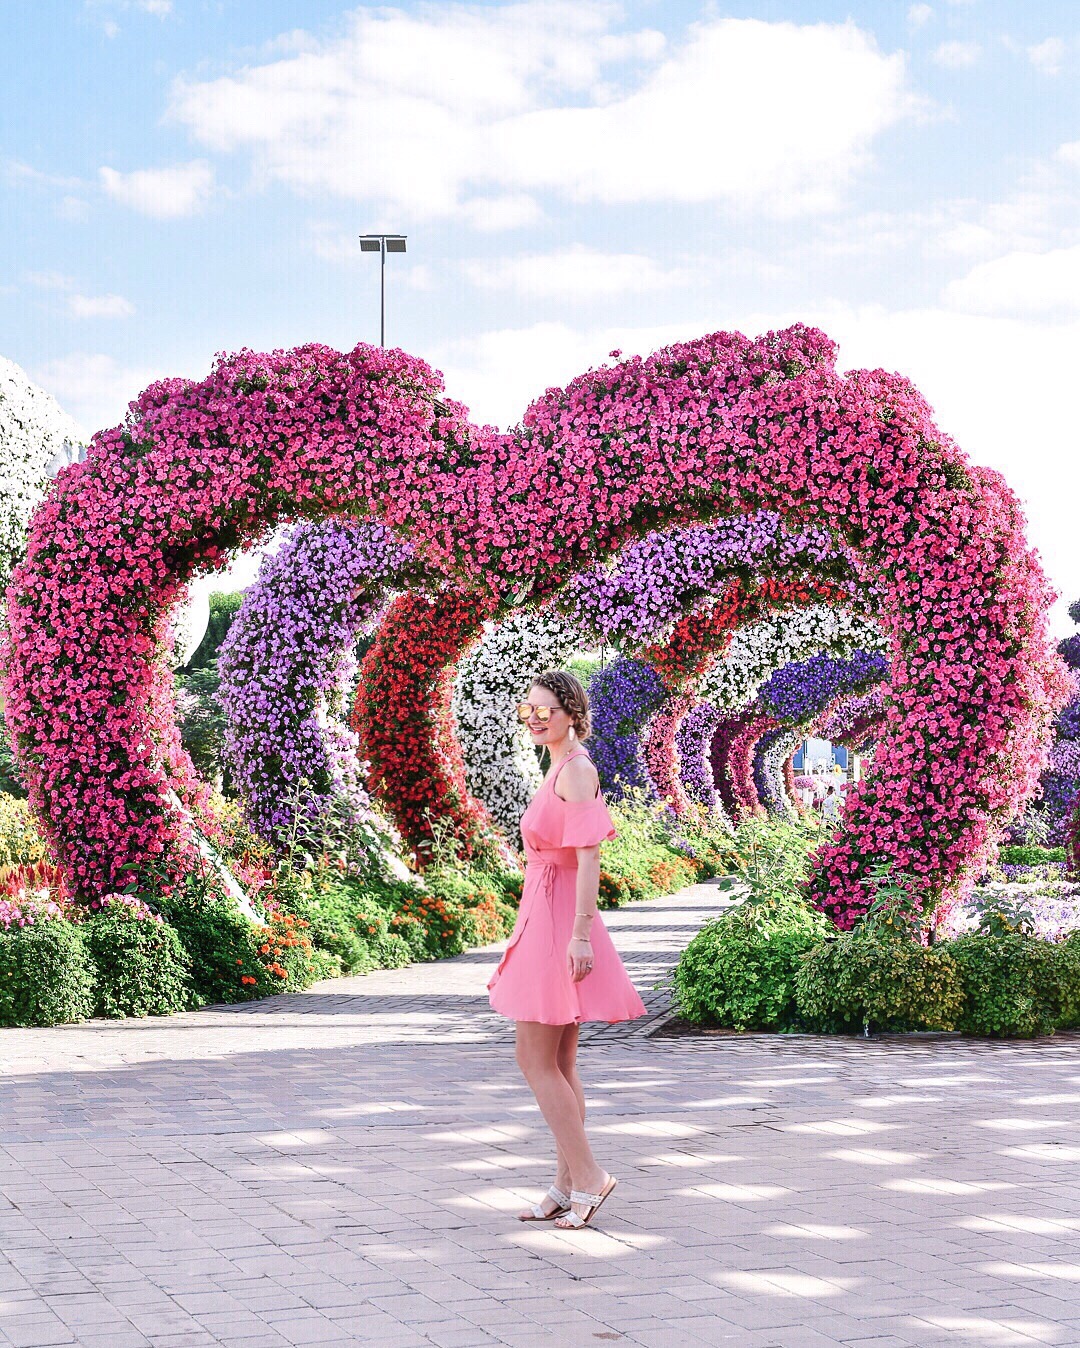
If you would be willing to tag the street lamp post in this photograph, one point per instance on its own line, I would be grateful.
(382, 244)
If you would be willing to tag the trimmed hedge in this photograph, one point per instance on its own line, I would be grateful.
(853, 982)
(46, 975)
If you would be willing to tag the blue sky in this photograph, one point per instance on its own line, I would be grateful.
(187, 176)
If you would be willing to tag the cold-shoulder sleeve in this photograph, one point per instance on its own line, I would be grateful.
(586, 822)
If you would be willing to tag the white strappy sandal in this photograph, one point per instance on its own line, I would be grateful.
(539, 1215)
(572, 1221)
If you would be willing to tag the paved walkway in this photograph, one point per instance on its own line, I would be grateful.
(342, 1167)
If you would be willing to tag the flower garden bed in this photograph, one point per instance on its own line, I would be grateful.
(123, 955)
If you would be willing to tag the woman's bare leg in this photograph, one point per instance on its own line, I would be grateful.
(566, 1060)
(561, 1102)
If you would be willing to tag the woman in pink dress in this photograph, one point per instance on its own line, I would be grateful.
(560, 967)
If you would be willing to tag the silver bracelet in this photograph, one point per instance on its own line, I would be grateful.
(590, 916)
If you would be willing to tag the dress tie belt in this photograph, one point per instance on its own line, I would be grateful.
(547, 888)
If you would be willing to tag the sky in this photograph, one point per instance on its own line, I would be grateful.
(182, 177)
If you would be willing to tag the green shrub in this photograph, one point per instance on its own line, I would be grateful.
(142, 967)
(854, 981)
(46, 975)
(220, 944)
(1068, 958)
(1027, 854)
(348, 922)
(1011, 984)
(740, 973)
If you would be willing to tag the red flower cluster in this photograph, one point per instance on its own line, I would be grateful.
(402, 716)
(701, 637)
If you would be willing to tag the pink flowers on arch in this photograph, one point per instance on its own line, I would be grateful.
(715, 427)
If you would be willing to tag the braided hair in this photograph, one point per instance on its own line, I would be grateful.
(572, 696)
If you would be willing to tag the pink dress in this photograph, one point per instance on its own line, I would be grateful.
(533, 979)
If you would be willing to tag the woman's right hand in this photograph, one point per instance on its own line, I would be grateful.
(579, 958)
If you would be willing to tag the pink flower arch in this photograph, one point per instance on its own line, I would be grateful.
(718, 426)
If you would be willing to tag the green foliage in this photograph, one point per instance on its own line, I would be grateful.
(46, 975)
(20, 842)
(1012, 983)
(1068, 956)
(896, 908)
(739, 971)
(11, 782)
(1002, 913)
(220, 945)
(583, 667)
(201, 719)
(652, 855)
(348, 922)
(771, 856)
(855, 981)
(142, 967)
(1028, 854)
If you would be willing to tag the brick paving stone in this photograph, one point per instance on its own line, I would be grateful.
(343, 1166)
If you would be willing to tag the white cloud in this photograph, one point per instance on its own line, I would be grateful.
(1047, 57)
(918, 15)
(1021, 283)
(95, 389)
(1069, 153)
(956, 55)
(576, 273)
(165, 193)
(979, 374)
(471, 110)
(100, 306)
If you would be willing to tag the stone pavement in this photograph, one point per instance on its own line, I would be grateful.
(343, 1166)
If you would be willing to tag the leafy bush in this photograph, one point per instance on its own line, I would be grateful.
(348, 922)
(740, 969)
(285, 955)
(856, 980)
(486, 915)
(1027, 854)
(220, 944)
(142, 967)
(1012, 984)
(46, 974)
(1068, 959)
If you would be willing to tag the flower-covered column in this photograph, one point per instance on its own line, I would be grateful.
(693, 739)
(287, 669)
(406, 732)
(660, 754)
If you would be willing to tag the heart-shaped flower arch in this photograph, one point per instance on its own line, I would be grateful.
(710, 428)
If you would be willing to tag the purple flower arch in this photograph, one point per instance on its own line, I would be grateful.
(287, 668)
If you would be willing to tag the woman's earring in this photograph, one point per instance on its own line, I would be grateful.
(572, 733)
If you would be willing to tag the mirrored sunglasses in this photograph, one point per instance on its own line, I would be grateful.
(527, 710)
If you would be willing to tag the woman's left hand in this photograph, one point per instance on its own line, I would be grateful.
(579, 958)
